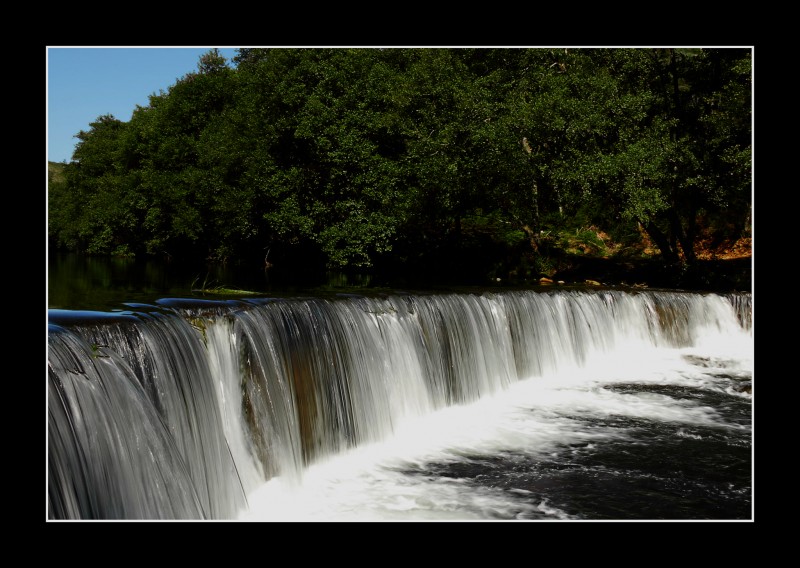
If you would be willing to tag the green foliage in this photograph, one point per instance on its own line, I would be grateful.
(55, 172)
(370, 154)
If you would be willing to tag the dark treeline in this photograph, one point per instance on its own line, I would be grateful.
(474, 160)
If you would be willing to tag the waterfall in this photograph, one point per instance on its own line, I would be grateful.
(182, 409)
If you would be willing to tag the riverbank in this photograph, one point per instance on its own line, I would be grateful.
(732, 274)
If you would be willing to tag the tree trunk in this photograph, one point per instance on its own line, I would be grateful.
(669, 253)
(687, 244)
(533, 237)
(531, 230)
(457, 232)
(685, 238)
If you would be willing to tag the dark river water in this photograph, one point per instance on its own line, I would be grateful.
(82, 282)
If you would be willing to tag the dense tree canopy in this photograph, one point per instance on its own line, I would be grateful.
(361, 156)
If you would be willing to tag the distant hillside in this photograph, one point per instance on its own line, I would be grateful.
(55, 171)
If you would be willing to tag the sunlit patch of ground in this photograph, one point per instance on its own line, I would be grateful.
(741, 248)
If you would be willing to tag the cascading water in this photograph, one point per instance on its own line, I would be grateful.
(455, 406)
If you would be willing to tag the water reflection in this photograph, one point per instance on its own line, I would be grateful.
(79, 282)
(85, 282)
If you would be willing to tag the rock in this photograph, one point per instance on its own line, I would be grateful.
(591, 283)
(544, 280)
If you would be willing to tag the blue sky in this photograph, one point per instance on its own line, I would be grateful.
(86, 82)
